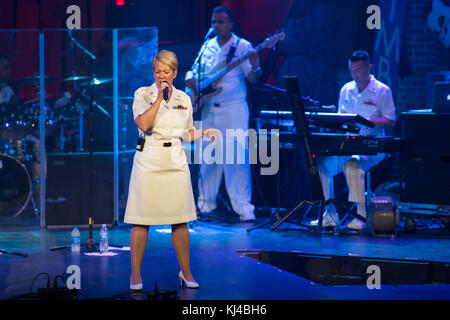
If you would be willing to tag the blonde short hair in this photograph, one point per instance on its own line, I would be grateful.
(166, 57)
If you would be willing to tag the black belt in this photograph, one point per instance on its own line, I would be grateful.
(165, 144)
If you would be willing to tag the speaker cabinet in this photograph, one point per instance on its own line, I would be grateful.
(425, 158)
(68, 181)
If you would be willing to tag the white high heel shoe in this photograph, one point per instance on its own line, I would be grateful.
(189, 284)
(135, 287)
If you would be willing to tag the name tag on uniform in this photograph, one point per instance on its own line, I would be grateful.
(179, 107)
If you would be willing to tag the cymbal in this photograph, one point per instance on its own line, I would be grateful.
(37, 99)
(97, 81)
(34, 79)
(75, 78)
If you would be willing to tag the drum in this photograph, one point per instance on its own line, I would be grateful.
(20, 149)
(15, 186)
(14, 120)
(32, 111)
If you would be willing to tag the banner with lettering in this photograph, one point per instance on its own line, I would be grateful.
(388, 42)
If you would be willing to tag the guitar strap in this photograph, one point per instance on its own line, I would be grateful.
(232, 51)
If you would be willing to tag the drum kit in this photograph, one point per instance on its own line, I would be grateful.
(19, 129)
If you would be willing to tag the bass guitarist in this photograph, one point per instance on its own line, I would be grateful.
(225, 108)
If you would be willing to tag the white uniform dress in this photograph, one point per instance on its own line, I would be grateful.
(374, 101)
(226, 110)
(160, 191)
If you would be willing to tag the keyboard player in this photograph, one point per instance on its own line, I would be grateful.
(371, 99)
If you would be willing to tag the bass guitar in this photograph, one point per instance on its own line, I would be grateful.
(208, 86)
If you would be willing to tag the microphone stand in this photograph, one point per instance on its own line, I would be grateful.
(198, 61)
(199, 67)
(86, 51)
(90, 244)
(89, 57)
(199, 76)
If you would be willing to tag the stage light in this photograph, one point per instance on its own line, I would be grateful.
(120, 2)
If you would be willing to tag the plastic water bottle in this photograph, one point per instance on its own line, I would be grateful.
(103, 238)
(76, 239)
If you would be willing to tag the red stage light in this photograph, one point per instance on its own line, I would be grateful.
(120, 2)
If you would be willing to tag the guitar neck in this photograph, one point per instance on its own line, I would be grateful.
(220, 73)
(237, 62)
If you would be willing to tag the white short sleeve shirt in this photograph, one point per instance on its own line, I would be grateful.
(375, 101)
(174, 117)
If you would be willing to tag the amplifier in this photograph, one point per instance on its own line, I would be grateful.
(67, 197)
(425, 158)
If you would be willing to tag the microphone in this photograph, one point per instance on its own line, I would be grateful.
(166, 93)
(210, 34)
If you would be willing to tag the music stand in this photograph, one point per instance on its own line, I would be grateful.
(307, 157)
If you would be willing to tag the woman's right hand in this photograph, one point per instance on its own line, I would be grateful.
(161, 86)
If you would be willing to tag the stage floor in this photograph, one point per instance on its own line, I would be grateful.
(217, 259)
